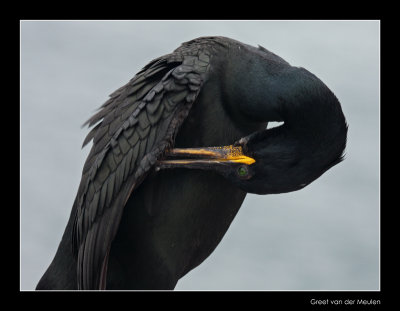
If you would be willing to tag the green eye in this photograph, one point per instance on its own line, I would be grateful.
(242, 171)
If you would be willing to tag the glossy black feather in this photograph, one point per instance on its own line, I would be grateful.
(125, 147)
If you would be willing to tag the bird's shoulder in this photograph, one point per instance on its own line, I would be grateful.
(149, 96)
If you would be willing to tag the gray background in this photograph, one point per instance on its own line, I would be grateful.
(324, 237)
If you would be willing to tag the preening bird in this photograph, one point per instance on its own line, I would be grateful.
(176, 150)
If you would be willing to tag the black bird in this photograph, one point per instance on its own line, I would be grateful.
(159, 189)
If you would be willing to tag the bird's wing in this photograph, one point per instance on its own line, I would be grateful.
(136, 125)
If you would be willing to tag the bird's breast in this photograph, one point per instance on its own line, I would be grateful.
(184, 215)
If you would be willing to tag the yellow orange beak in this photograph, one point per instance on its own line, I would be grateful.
(224, 154)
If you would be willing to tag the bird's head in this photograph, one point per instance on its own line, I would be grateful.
(285, 158)
(260, 163)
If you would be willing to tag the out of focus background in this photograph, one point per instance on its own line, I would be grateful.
(324, 237)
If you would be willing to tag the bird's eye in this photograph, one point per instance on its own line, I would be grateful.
(242, 171)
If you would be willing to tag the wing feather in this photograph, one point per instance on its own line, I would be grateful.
(134, 127)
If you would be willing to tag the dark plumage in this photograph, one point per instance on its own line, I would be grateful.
(145, 214)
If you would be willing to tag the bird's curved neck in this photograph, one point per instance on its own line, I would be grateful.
(314, 132)
(312, 139)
